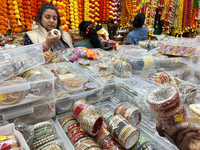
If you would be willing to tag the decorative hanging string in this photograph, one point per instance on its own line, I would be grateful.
(3, 17)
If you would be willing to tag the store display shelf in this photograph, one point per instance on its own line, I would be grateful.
(23, 90)
(20, 59)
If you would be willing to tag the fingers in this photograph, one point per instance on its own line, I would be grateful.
(191, 129)
(49, 33)
(177, 128)
(159, 129)
(184, 145)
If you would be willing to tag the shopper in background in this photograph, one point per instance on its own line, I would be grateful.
(89, 35)
(184, 135)
(48, 19)
(139, 33)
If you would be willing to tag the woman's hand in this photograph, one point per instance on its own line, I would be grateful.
(185, 136)
(51, 40)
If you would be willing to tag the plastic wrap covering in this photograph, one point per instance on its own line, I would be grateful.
(89, 120)
(167, 106)
(9, 142)
(52, 145)
(20, 59)
(126, 134)
(121, 69)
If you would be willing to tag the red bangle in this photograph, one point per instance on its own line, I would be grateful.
(79, 108)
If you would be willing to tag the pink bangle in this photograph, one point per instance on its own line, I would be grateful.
(44, 47)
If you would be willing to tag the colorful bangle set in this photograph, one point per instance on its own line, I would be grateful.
(48, 55)
(14, 66)
(78, 138)
(40, 139)
(130, 113)
(162, 78)
(105, 140)
(44, 46)
(8, 142)
(13, 97)
(167, 106)
(121, 69)
(126, 134)
(89, 120)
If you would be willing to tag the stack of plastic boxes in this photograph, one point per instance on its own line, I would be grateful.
(108, 83)
(90, 89)
(30, 99)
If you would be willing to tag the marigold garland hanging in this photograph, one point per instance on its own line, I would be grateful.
(34, 8)
(27, 14)
(3, 18)
(86, 10)
(96, 17)
(114, 9)
(21, 13)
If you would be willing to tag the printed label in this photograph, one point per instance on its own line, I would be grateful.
(48, 85)
(50, 107)
(108, 77)
(176, 61)
(150, 60)
(2, 138)
(159, 73)
(35, 91)
(123, 62)
(179, 118)
(84, 65)
(3, 97)
(57, 95)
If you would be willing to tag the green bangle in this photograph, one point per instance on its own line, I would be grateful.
(42, 137)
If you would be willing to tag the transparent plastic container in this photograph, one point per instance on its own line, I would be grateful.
(131, 48)
(20, 59)
(20, 90)
(31, 112)
(65, 102)
(155, 140)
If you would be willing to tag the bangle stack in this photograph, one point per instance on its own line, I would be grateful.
(13, 97)
(131, 114)
(143, 143)
(49, 55)
(126, 134)
(89, 120)
(162, 78)
(105, 140)
(41, 136)
(121, 69)
(167, 106)
(45, 47)
(107, 114)
(9, 142)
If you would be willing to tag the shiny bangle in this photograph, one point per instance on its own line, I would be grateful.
(44, 47)
(119, 109)
(66, 119)
(123, 131)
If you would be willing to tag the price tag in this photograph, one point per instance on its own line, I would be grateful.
(50, 107)
(150, 60)
(108, 77)
(176, 61)
(48, 85)
(123, 62)
(3, 97)
(84, 65)
(159, 73)
(58, 95)
(81, 130)
(2, 138)
(179, 118)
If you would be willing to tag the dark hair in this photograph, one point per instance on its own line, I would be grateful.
(92, 34)
(44, 7)
(139, 20)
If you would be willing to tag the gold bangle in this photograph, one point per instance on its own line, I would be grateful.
(122, 131)
(126, 136)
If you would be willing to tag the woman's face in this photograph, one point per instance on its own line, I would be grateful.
(49, 19)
